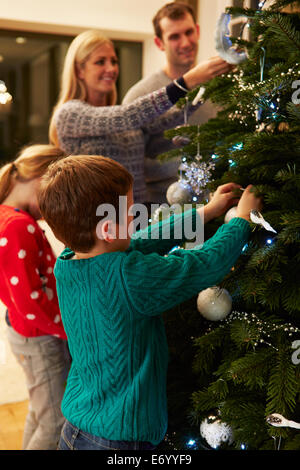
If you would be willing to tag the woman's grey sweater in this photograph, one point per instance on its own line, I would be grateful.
(118, 131)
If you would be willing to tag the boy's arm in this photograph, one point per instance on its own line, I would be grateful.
(154, 283)
(163, 236)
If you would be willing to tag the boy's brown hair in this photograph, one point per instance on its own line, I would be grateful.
(173, 11)
(73, 188)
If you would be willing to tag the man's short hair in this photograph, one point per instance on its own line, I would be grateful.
(73, 188)
(173, 11)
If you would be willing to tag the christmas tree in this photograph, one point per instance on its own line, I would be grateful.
(229, 376)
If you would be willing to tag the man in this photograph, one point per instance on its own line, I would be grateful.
(177, 35)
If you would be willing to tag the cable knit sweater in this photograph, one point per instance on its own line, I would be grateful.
(27, 282)
(111, 308)
(117, 131)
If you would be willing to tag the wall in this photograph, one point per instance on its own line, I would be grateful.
(113, 16)
(130, 20)
(209, 13)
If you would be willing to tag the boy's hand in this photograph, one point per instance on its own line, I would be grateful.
(223, 198)
(248, 202)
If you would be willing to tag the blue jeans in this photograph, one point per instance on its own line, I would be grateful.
(73, 438)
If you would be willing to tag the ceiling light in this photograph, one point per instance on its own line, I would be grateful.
(5, 98)
(21, 40)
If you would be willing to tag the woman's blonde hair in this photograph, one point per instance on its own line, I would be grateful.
(31, 163)
(71, 86)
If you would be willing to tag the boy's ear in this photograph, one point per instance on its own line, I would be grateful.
(106, 230)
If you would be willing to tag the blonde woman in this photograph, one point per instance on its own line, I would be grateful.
(28, 290)
(87, 121)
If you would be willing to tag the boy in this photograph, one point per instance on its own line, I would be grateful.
(112, 291)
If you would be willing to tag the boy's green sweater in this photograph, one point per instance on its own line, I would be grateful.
(111, 308)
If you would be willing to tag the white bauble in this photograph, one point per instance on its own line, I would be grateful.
(214, 303)
(215, 432)
(179, 193)
(230, 214)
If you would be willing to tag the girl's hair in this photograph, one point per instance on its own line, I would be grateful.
(31, 163)
(71, 86)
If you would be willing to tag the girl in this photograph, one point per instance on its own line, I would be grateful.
(27, 288)
(86, 120)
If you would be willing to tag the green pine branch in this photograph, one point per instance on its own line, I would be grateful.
(281, 26)
(283, 385)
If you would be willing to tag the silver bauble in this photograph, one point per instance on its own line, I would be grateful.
(230, 214)
(214, 303)
(179, 193)
(215, 432)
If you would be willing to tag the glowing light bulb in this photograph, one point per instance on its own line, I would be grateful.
(191, 443)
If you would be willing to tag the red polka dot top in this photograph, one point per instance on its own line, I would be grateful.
(27, 282)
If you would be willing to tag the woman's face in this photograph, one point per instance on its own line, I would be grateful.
(99, 73)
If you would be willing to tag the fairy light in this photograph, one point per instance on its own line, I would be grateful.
(191, 444)
(264, 329)
(169, 441)
(244, 111)
(238, 146)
